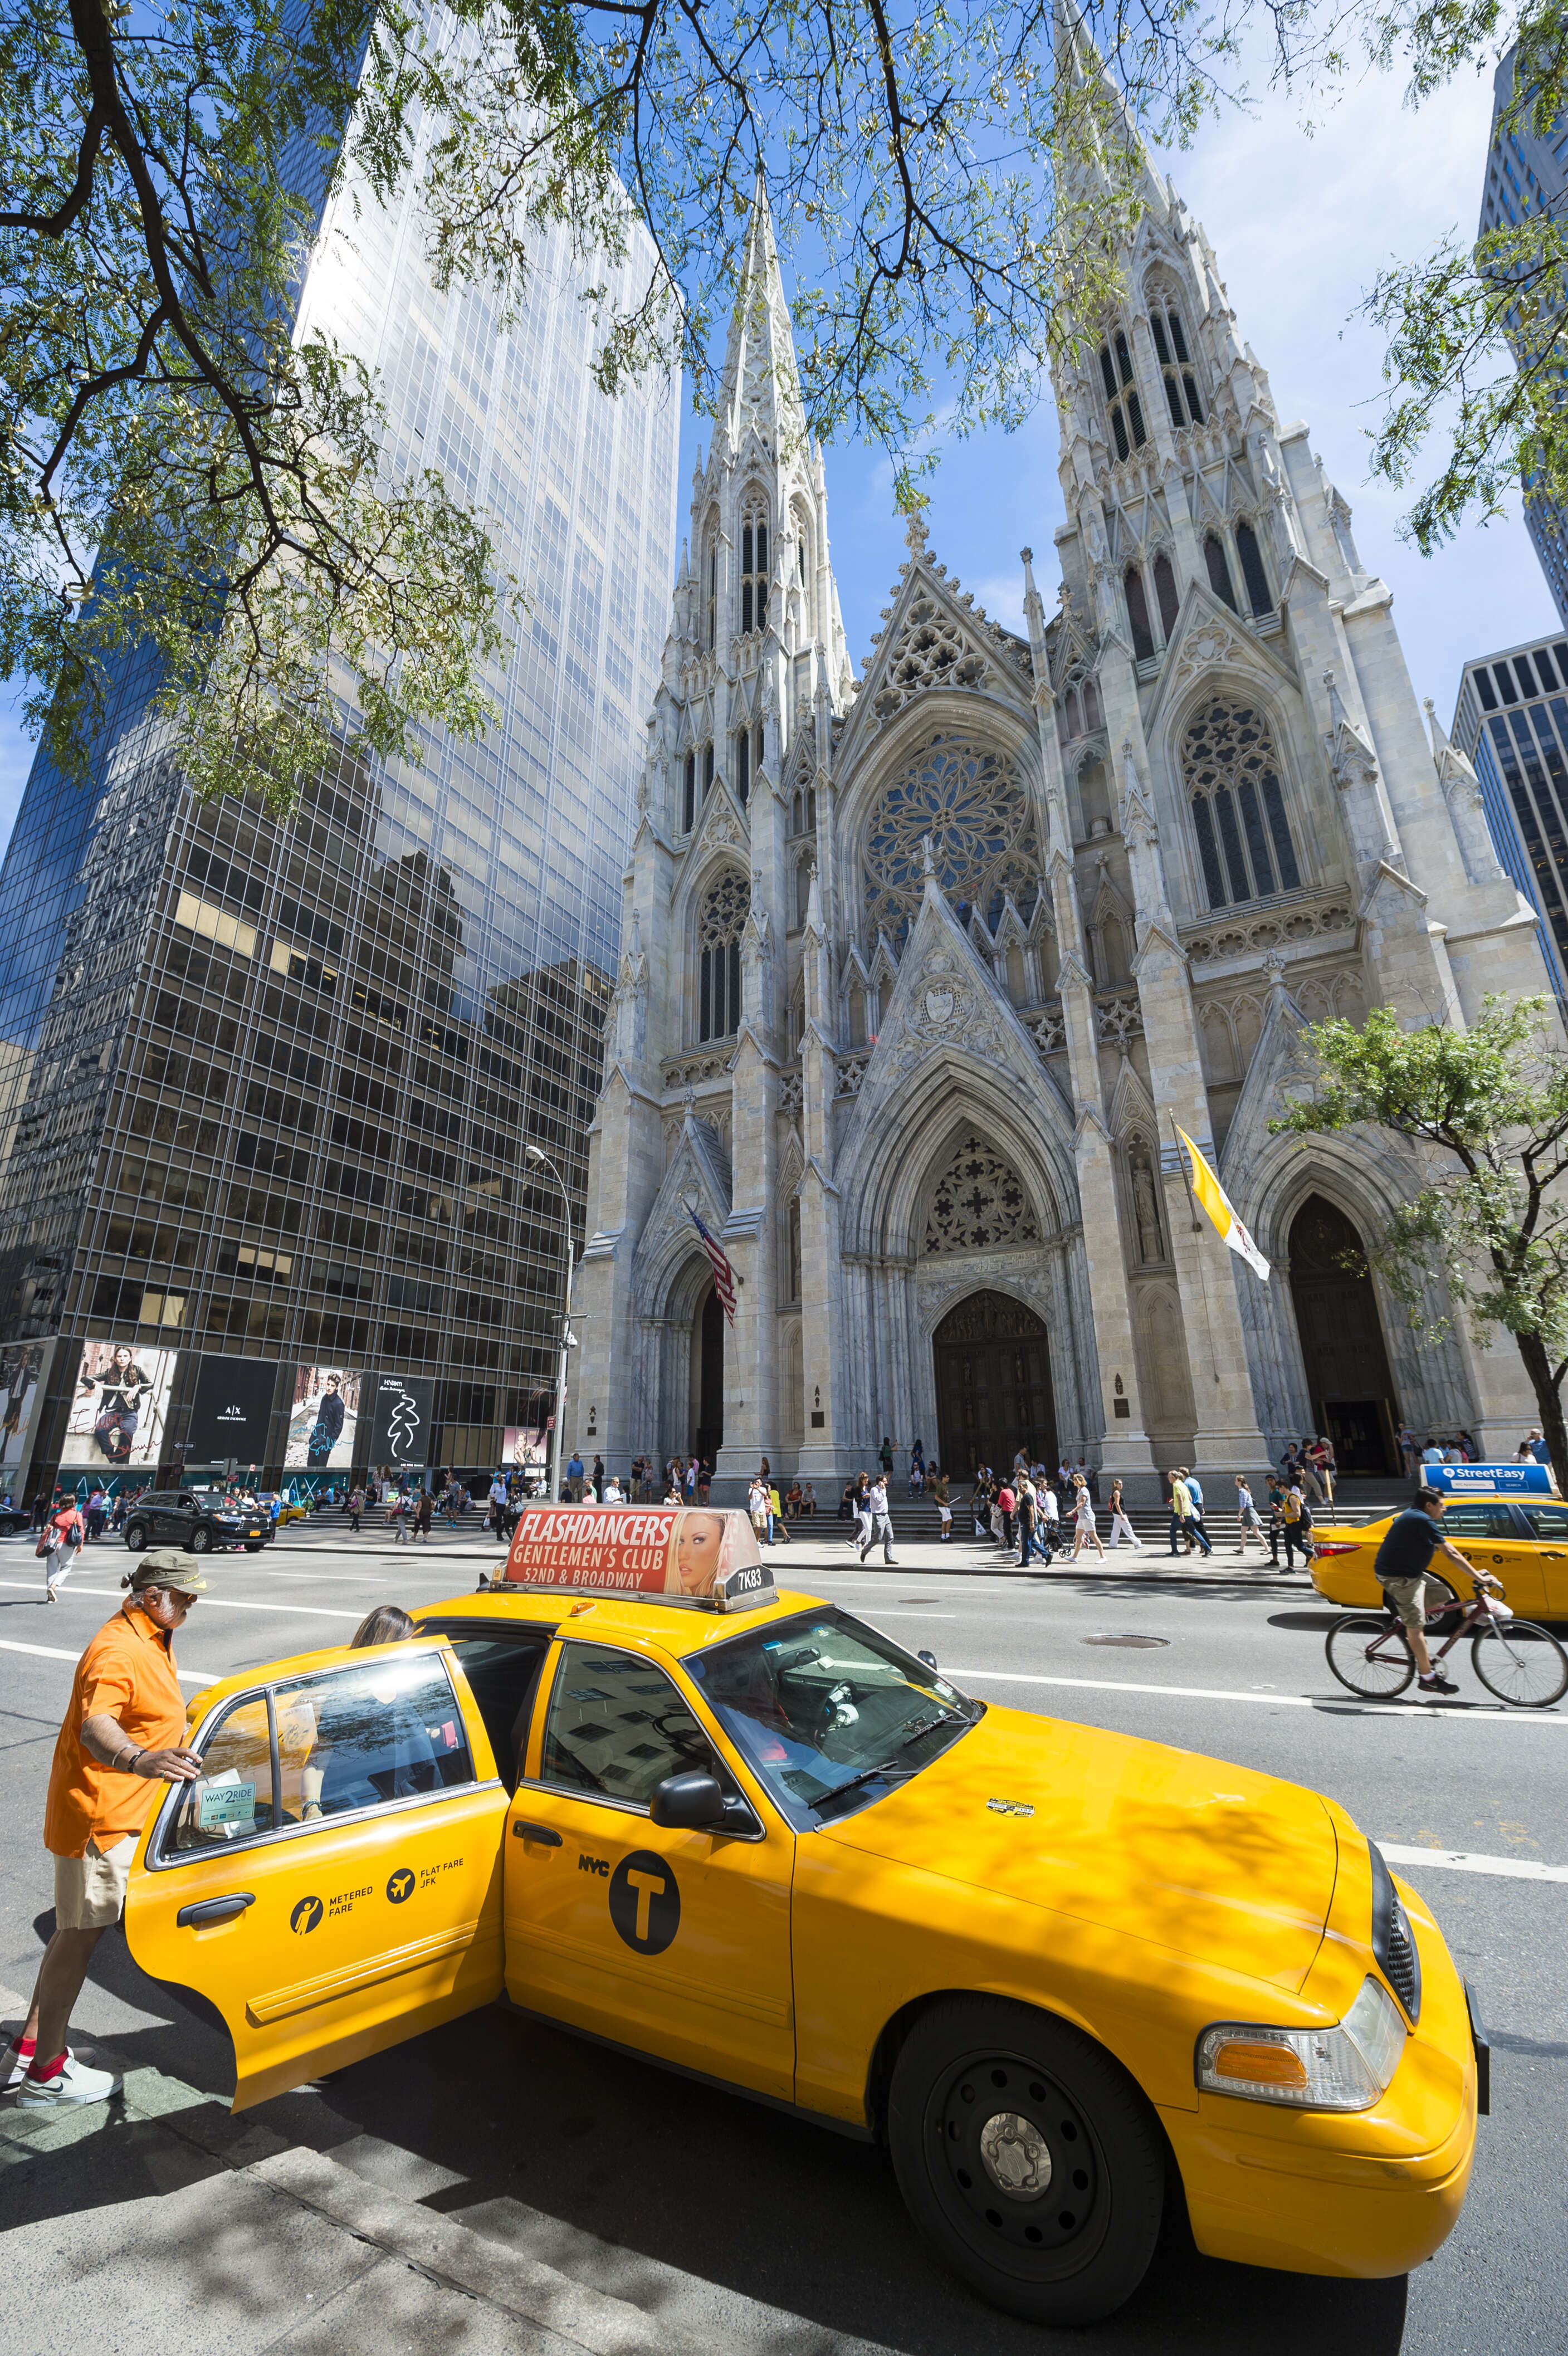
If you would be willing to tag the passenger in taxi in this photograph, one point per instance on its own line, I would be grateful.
(354, 1755)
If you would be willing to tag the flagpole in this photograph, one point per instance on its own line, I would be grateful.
(1196, 1229)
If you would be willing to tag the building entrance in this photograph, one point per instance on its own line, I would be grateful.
(994, 1386)
(710, 1386)
(1342, 1348)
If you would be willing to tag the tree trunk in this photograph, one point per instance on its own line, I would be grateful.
(1549, 1402)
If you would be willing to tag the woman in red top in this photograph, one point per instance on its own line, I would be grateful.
(61, 1545)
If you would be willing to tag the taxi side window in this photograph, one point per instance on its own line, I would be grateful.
(615, 1726)
(1548, 1521)
(1476, 1521)
(359, 1738)
(233, 1800)
(503, 1676)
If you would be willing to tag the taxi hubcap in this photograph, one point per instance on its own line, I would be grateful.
(1017, 2155)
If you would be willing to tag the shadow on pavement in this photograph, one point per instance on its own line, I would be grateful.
(502, 2109)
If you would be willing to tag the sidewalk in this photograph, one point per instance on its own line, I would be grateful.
(172, 2225)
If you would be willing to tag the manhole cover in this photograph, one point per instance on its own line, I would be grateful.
(1134, 1643)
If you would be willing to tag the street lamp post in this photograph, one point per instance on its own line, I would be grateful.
(537, 1154)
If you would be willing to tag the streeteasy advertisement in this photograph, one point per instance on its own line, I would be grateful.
(702, 1556)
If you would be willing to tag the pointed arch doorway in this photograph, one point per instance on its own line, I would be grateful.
(993, 1385)
(707, 1393)
(1344, 1356)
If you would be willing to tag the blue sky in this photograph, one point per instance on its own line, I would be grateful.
(1301, 226)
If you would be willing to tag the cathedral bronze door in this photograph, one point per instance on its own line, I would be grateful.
(1342, 1348)
(994, 1386)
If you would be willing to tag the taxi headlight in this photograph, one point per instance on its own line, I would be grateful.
(1346, 2068)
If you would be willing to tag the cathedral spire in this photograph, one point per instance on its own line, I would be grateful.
(761, 384)
(1095, 117)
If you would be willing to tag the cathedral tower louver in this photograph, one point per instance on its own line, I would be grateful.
(920, 969)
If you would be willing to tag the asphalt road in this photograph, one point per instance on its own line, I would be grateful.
(496, 2119)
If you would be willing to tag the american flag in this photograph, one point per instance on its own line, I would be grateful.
(723, 1275)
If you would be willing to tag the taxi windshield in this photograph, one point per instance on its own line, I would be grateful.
(825, 1709)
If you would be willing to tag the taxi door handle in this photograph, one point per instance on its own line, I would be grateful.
(216, 1910)
(523, 1830)
(1552, 1554)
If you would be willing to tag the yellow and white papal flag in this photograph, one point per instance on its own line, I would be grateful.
(1216, 1203)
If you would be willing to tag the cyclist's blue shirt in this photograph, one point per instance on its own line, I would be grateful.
(1409, 1543)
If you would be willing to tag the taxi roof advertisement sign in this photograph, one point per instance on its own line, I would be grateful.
(1489, 1480)
(685, 1555)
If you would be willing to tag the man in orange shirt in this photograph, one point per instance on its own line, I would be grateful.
(121, 1737)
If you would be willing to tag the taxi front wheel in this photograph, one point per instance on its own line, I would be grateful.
(1029, 2157)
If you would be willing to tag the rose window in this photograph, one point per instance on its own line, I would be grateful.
(969, 802)
(979, 1201)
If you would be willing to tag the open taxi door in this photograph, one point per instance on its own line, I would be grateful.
(332, 1884)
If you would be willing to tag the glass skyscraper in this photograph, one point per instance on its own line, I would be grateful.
(264, 1089)
(1511, 724)
(1527, 177)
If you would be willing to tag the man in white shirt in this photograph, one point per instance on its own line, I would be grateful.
(880, 1520)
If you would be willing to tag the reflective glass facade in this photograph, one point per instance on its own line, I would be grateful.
(1512, 722)
(266, 1089)
(1527, 176)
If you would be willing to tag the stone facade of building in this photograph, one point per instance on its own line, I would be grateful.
(919, 969)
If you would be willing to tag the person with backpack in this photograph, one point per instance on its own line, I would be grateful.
(64, 1534)
(1295, 1520)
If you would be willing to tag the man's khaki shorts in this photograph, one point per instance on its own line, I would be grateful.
(1413, 1598)
(90, 1891)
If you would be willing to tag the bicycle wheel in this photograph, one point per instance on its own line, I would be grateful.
(1521, 1663)
(1369, 1656)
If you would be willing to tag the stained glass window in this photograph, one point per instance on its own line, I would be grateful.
(719, 928)
(969, 801)
(1238, 809)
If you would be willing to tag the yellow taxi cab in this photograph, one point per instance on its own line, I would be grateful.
(636, 1791)
(1521, 1541)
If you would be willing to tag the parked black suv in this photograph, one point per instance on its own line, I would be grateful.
(203, 1524)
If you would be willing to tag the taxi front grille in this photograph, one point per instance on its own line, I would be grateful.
(1394, 1943)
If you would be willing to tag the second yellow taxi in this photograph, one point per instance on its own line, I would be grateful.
(1520, 1541)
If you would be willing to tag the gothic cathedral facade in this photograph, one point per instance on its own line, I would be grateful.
(919, 969)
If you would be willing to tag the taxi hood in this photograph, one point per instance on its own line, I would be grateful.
(1190, 1855)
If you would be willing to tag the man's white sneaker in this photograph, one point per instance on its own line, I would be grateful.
(72, 2082)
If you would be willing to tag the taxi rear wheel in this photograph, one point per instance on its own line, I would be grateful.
(1029, 2157)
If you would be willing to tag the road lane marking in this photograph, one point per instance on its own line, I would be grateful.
(916, 1615)
(209, 1602)
(1497, 1715)
(1461, 1860)
(53, 1652)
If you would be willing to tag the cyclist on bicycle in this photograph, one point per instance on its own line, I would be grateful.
(1409, 1543)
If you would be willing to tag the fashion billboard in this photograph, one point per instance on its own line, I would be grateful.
(401, 1408)
(524, 1445)
(231, 1412)
(120, 1411)
(695, 1556)
(324, 1419)
(24, 1369)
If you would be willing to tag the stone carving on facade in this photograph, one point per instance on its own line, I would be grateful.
(932, 651)
(1048, 1030)
(689, 1071)
(979, 1203)
(1204, 648)
(1246, 938)
(1145, 1204)
(791, 1088)
(851, 1074)
(1119, 1018)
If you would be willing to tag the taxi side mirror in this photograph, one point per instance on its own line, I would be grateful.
(688, 1803)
